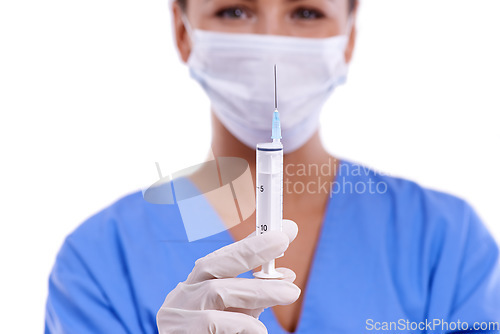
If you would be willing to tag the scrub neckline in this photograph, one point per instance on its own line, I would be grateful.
(333, 204)
(332, 208)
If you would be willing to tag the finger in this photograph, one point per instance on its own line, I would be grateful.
(171, 320)
(253, 313)
(221, 294)
(290, 228)
(288, 274)
(239, 257)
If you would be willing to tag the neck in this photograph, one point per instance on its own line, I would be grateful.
(312, 153)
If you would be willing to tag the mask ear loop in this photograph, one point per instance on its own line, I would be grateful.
(350, 24)
(188, 28)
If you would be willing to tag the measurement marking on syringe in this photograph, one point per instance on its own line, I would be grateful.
(269, 186)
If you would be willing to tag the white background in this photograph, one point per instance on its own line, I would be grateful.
(92, 93)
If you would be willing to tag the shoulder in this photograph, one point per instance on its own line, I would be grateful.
(130, 219)
(109, 262)
(403, 199)
(108, 218)
(430, 240)
(408, 218)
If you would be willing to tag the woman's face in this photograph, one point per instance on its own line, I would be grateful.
(299, 18)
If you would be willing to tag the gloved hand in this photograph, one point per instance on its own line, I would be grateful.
(212, 300)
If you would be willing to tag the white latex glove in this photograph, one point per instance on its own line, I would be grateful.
(212, 300)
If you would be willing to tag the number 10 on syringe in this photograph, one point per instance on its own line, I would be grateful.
(269, 198)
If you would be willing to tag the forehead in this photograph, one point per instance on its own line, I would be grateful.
(270, 2)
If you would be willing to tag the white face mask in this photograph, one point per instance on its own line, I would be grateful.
(236, 71)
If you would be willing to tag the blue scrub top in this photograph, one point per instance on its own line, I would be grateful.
(383, 259)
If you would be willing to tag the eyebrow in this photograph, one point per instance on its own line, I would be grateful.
(285, 0)
(245, 0)
(303, 0)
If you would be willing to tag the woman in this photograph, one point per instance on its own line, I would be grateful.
(372, 253)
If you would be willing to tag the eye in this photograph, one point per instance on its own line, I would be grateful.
(233, 13)
(307, 14)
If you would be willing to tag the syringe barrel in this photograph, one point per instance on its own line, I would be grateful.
(269, 198)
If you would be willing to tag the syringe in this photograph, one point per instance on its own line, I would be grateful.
(269, 198)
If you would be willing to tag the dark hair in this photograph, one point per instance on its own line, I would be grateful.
(183, 4)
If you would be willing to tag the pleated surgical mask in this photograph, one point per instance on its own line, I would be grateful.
(236, 72)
